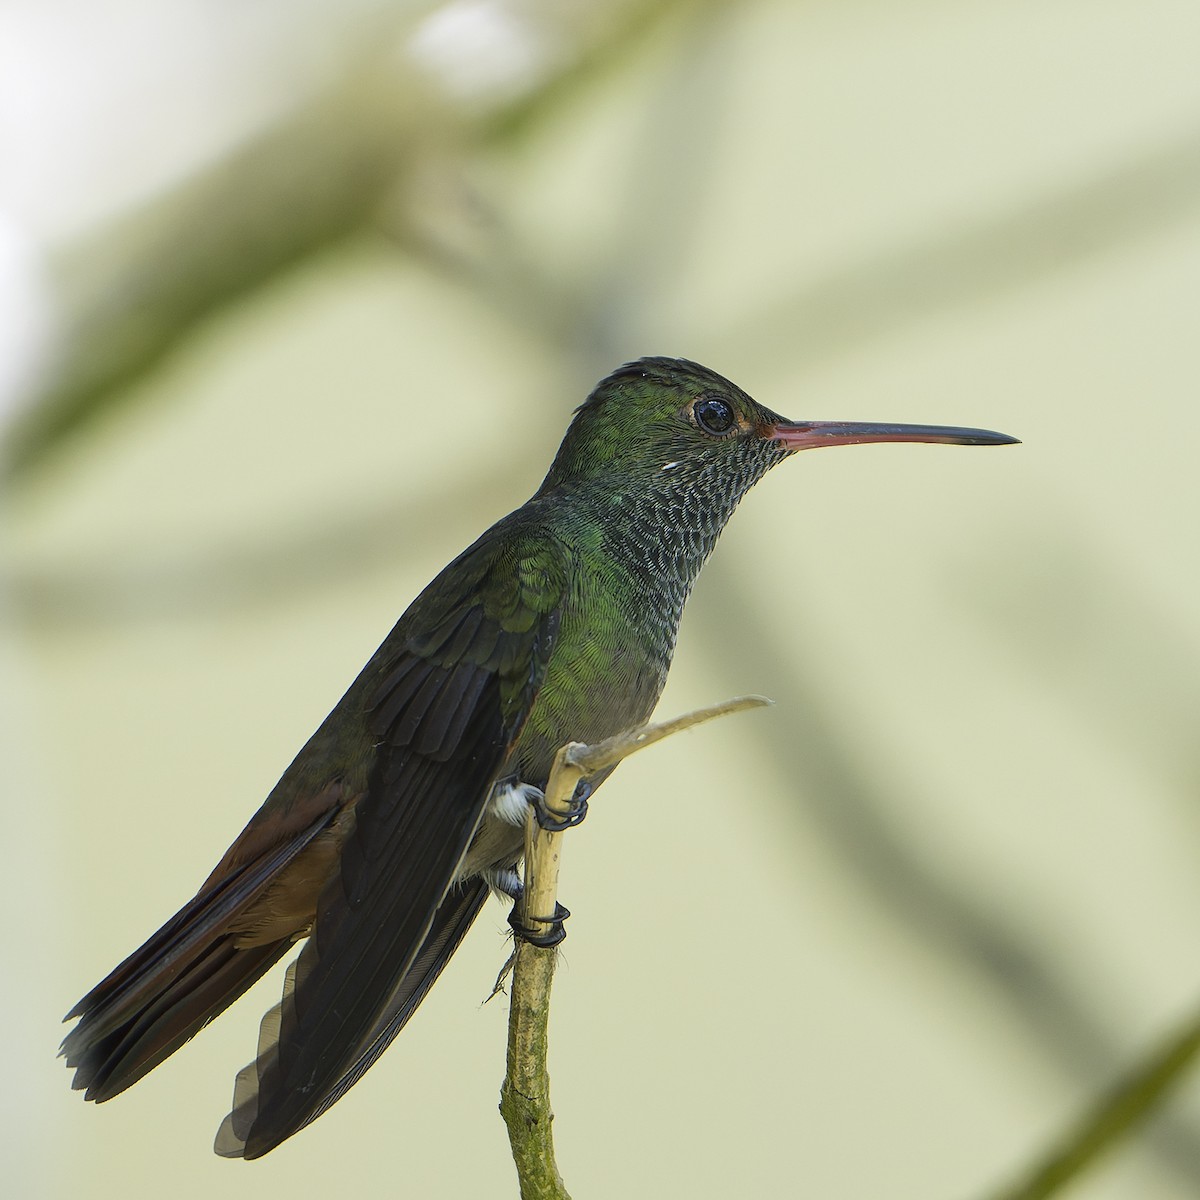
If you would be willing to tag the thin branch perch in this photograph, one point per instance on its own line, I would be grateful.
(525, 1094)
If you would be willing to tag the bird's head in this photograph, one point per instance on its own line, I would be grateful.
(666, 423)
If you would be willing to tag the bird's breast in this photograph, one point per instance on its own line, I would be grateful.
(606, 670)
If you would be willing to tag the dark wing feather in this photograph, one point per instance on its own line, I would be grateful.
(456, 680)
(454, 917)
(450, 926)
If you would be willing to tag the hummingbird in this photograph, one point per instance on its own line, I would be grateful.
(380, 843)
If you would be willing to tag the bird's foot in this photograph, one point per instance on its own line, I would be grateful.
(557, 822)
(539, 931)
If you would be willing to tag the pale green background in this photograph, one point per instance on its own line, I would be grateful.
(883, 940)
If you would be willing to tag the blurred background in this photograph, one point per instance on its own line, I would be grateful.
(297, 298)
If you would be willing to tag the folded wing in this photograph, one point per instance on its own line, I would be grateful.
(452, 688)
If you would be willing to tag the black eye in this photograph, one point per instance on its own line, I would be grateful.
(713, 416)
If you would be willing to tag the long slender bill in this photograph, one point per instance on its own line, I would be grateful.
(804, 435)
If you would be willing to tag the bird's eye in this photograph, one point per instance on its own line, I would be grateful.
(713, 416)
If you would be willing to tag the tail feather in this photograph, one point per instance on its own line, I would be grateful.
(185, 936)
(183, 976)
(115, 1061)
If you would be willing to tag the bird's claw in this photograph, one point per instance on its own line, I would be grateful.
(557, 822)
(551, 931)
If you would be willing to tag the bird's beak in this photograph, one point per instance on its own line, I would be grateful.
(803, 435)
